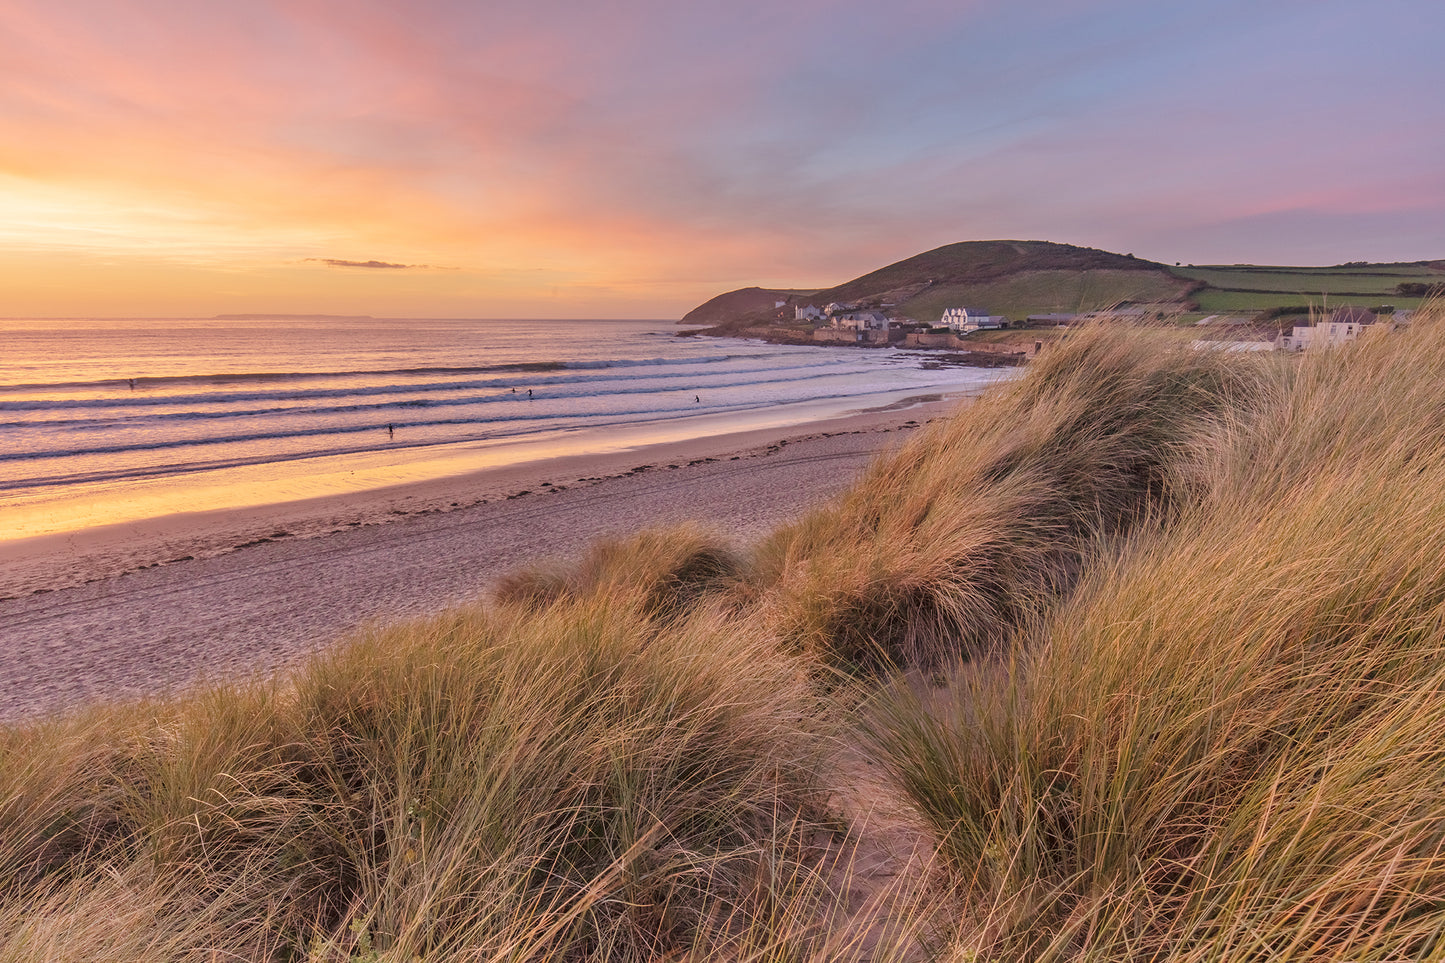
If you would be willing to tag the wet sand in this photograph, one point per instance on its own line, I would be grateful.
(150, 607)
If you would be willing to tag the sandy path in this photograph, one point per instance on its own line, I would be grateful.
(259, 607)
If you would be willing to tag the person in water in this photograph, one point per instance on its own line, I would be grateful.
(697, 399)
(391, 431)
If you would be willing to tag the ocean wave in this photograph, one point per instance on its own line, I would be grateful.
(263, 377)
(501, 429)
(260, 377)
(75, 420)
(616, 377)
(385, 414)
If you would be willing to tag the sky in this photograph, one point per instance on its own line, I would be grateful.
(632, 158)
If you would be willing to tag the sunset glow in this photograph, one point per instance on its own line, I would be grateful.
(634, 159)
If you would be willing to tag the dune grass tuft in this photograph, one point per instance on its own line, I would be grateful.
(572, 783)
(664, 570)
(983, 520)
(1228, 744)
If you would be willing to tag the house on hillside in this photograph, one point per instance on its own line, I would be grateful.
(861, 321)
(1052, 320)
(1344, 326)
(807, 312)
(860, 327)
(964, 320)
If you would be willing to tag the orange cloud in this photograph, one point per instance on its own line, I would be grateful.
(599, 159)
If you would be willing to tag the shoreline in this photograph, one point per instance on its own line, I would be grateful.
(254, 592)
(66, 559)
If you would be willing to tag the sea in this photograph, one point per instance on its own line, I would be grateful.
(239, 411)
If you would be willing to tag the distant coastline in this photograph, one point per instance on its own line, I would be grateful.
(1023, 281)
(292, 317)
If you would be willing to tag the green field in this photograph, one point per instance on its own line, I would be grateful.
(1039, 292)
(1248, 287)
(1212, 301)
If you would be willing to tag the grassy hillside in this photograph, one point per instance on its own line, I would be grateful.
(1173, 626)
(742, 303)
(1027, 276)
(1019, 278)
(1043, 292)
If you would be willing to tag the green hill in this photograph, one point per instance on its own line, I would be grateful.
(1005, 277)
(744, 302)
(971, 263)
(1019, 278)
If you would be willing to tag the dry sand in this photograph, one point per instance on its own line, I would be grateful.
(145, 608)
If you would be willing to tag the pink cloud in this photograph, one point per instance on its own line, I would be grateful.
(643, 141)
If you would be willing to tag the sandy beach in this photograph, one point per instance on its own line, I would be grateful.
(146, 607)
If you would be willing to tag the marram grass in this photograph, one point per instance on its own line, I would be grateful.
(665, 571)
(983, 521)
(1202, 604)
(1230, 743)
(565, 785)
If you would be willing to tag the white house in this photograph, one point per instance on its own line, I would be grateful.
(1344, 326)
(971, 319)
(807, 312)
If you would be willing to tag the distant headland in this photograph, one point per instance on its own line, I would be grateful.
(1000, 295)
